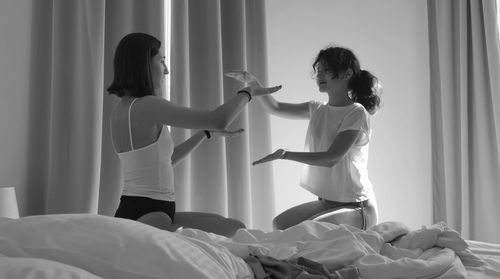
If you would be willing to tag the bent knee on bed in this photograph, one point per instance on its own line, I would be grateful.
(159, 220)
(349, 216)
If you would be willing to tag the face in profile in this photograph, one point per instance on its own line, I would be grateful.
(158, 70)
(327, 81)
(323, 77)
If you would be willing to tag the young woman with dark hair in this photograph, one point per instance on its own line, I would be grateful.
(143, 143)
(336, 149)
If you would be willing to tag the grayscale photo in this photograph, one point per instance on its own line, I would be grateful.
(249, 139)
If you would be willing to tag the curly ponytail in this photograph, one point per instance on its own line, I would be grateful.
(364, 89)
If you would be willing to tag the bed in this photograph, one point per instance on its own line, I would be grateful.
(93, 246)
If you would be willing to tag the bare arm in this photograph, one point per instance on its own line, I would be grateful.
(285, 110)
(183, 149)
(158, 110)
(338, 149)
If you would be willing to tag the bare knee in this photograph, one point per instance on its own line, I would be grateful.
(280, 222)
(209, 222)
(296, 214)
(223, 226)
(159, 220)
(231, 226)
(235, 223)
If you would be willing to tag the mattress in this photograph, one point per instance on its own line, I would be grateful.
(490, 254)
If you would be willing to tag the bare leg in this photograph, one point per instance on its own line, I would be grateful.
(297, 214)
(208, 222)
(315, 210)
(349, 216)
(158, 219)
(355, 216)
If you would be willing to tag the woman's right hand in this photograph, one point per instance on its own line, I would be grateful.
(254, 87)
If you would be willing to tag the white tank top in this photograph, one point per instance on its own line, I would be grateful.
(147, 171)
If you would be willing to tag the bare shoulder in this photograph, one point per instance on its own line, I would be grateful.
(153, 110)
(148, 104)
(150, 99)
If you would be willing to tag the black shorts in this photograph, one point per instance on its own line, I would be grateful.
(133, 207)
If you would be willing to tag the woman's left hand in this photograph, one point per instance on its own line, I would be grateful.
(278, 154)
(226, 133)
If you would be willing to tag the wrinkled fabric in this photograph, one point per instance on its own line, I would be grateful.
(265, 267)
(434, 252)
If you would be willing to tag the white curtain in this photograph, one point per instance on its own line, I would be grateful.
(208, 38)
(71, 167)
(65, 107)
(465, 101)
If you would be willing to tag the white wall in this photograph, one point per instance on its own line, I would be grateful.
(390, 39)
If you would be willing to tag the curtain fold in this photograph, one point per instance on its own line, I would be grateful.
(71, 167)
(71, 164)
(259, 123)
(465, 95)
(208, 38)
(65, 107)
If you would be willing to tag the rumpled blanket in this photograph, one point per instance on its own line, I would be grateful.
(387, 250)
(266, 267)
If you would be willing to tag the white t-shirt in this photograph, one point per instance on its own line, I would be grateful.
(348, 180)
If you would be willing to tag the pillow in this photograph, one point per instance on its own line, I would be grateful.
(108, 247)
(390, 230)
(30, 268)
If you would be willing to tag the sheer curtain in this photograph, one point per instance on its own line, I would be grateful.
(70, 164)
(65, 107)
(465, 100)
(208, 38)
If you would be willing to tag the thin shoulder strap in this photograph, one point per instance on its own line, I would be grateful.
(130, 124)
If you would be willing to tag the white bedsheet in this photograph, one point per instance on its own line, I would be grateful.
(114, 248)
(490, 254)
(109, 248)
(336, 246)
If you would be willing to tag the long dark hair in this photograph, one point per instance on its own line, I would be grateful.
(364, 87)
(131, 65)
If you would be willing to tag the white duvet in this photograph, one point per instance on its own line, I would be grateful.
(73, 245)
(434, 252)
(94, 246)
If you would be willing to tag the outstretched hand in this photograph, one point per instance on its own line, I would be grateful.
(226, 133)
(278, 154)
(254, 87)
(261, 91)
(244, 76)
